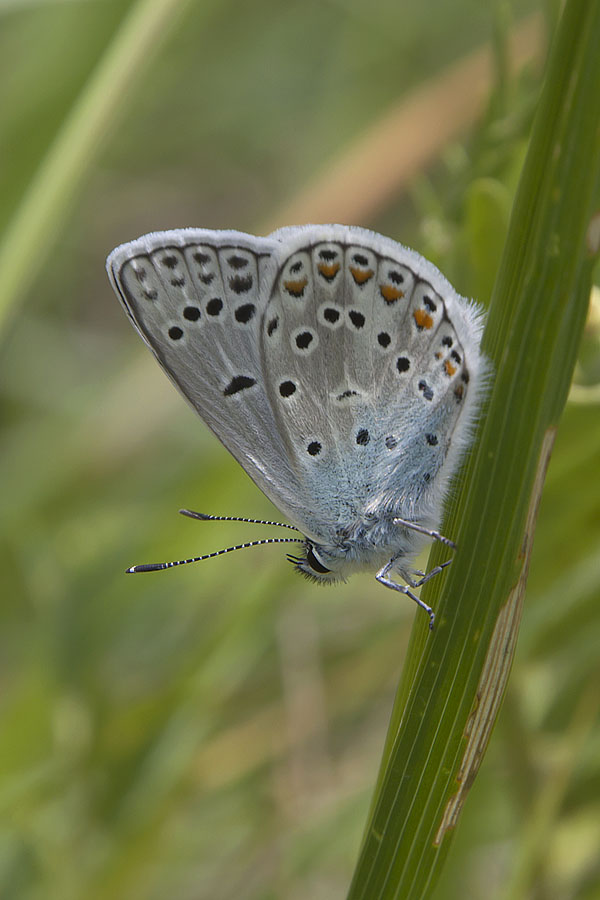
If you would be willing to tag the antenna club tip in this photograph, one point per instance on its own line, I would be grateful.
(193, 515)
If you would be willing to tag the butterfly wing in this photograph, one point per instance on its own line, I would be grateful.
(197, 297)
(333, 363)
(368, 354)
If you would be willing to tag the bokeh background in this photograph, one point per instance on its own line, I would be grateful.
(215, 731)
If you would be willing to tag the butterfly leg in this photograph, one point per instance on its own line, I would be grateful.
(432, 534)
(382, 578)
(423, 576)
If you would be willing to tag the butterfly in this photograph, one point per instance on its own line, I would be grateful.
(340, 368)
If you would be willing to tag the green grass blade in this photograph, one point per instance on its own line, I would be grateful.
(36, 222)
(454, 680)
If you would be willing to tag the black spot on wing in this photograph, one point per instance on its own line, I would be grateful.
(237, 384)
(214, 306)
(237, 262)
(245, 313)
(357, 319)
(303, 340)
(287, 388)
(395, 276)
(241, 284)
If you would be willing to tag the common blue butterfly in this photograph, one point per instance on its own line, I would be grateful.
(340, 369)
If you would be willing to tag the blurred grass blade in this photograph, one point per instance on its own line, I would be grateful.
(454, 680)
(542, 821)
(36, 223)
(379, 163)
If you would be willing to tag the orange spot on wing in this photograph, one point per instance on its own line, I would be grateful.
(450, 369)
(361, 276)
(329, 270)
(390, 293)
(296, 288)
(438, 355)
(423, 319)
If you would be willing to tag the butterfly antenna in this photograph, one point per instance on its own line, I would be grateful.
(155, 567)
(203, 517)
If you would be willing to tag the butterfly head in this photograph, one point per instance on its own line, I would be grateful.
(314, 564)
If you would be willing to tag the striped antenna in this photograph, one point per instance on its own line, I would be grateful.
(203, 517)
(156, 567)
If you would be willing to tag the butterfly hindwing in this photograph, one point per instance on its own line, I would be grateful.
(365, 372)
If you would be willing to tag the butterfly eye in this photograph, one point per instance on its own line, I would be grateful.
(314, 563)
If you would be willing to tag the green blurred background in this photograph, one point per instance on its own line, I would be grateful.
(215, 731)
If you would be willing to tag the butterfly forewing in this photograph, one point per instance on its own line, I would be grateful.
(198, 297)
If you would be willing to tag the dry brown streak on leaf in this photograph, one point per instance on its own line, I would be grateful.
(498, 662)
